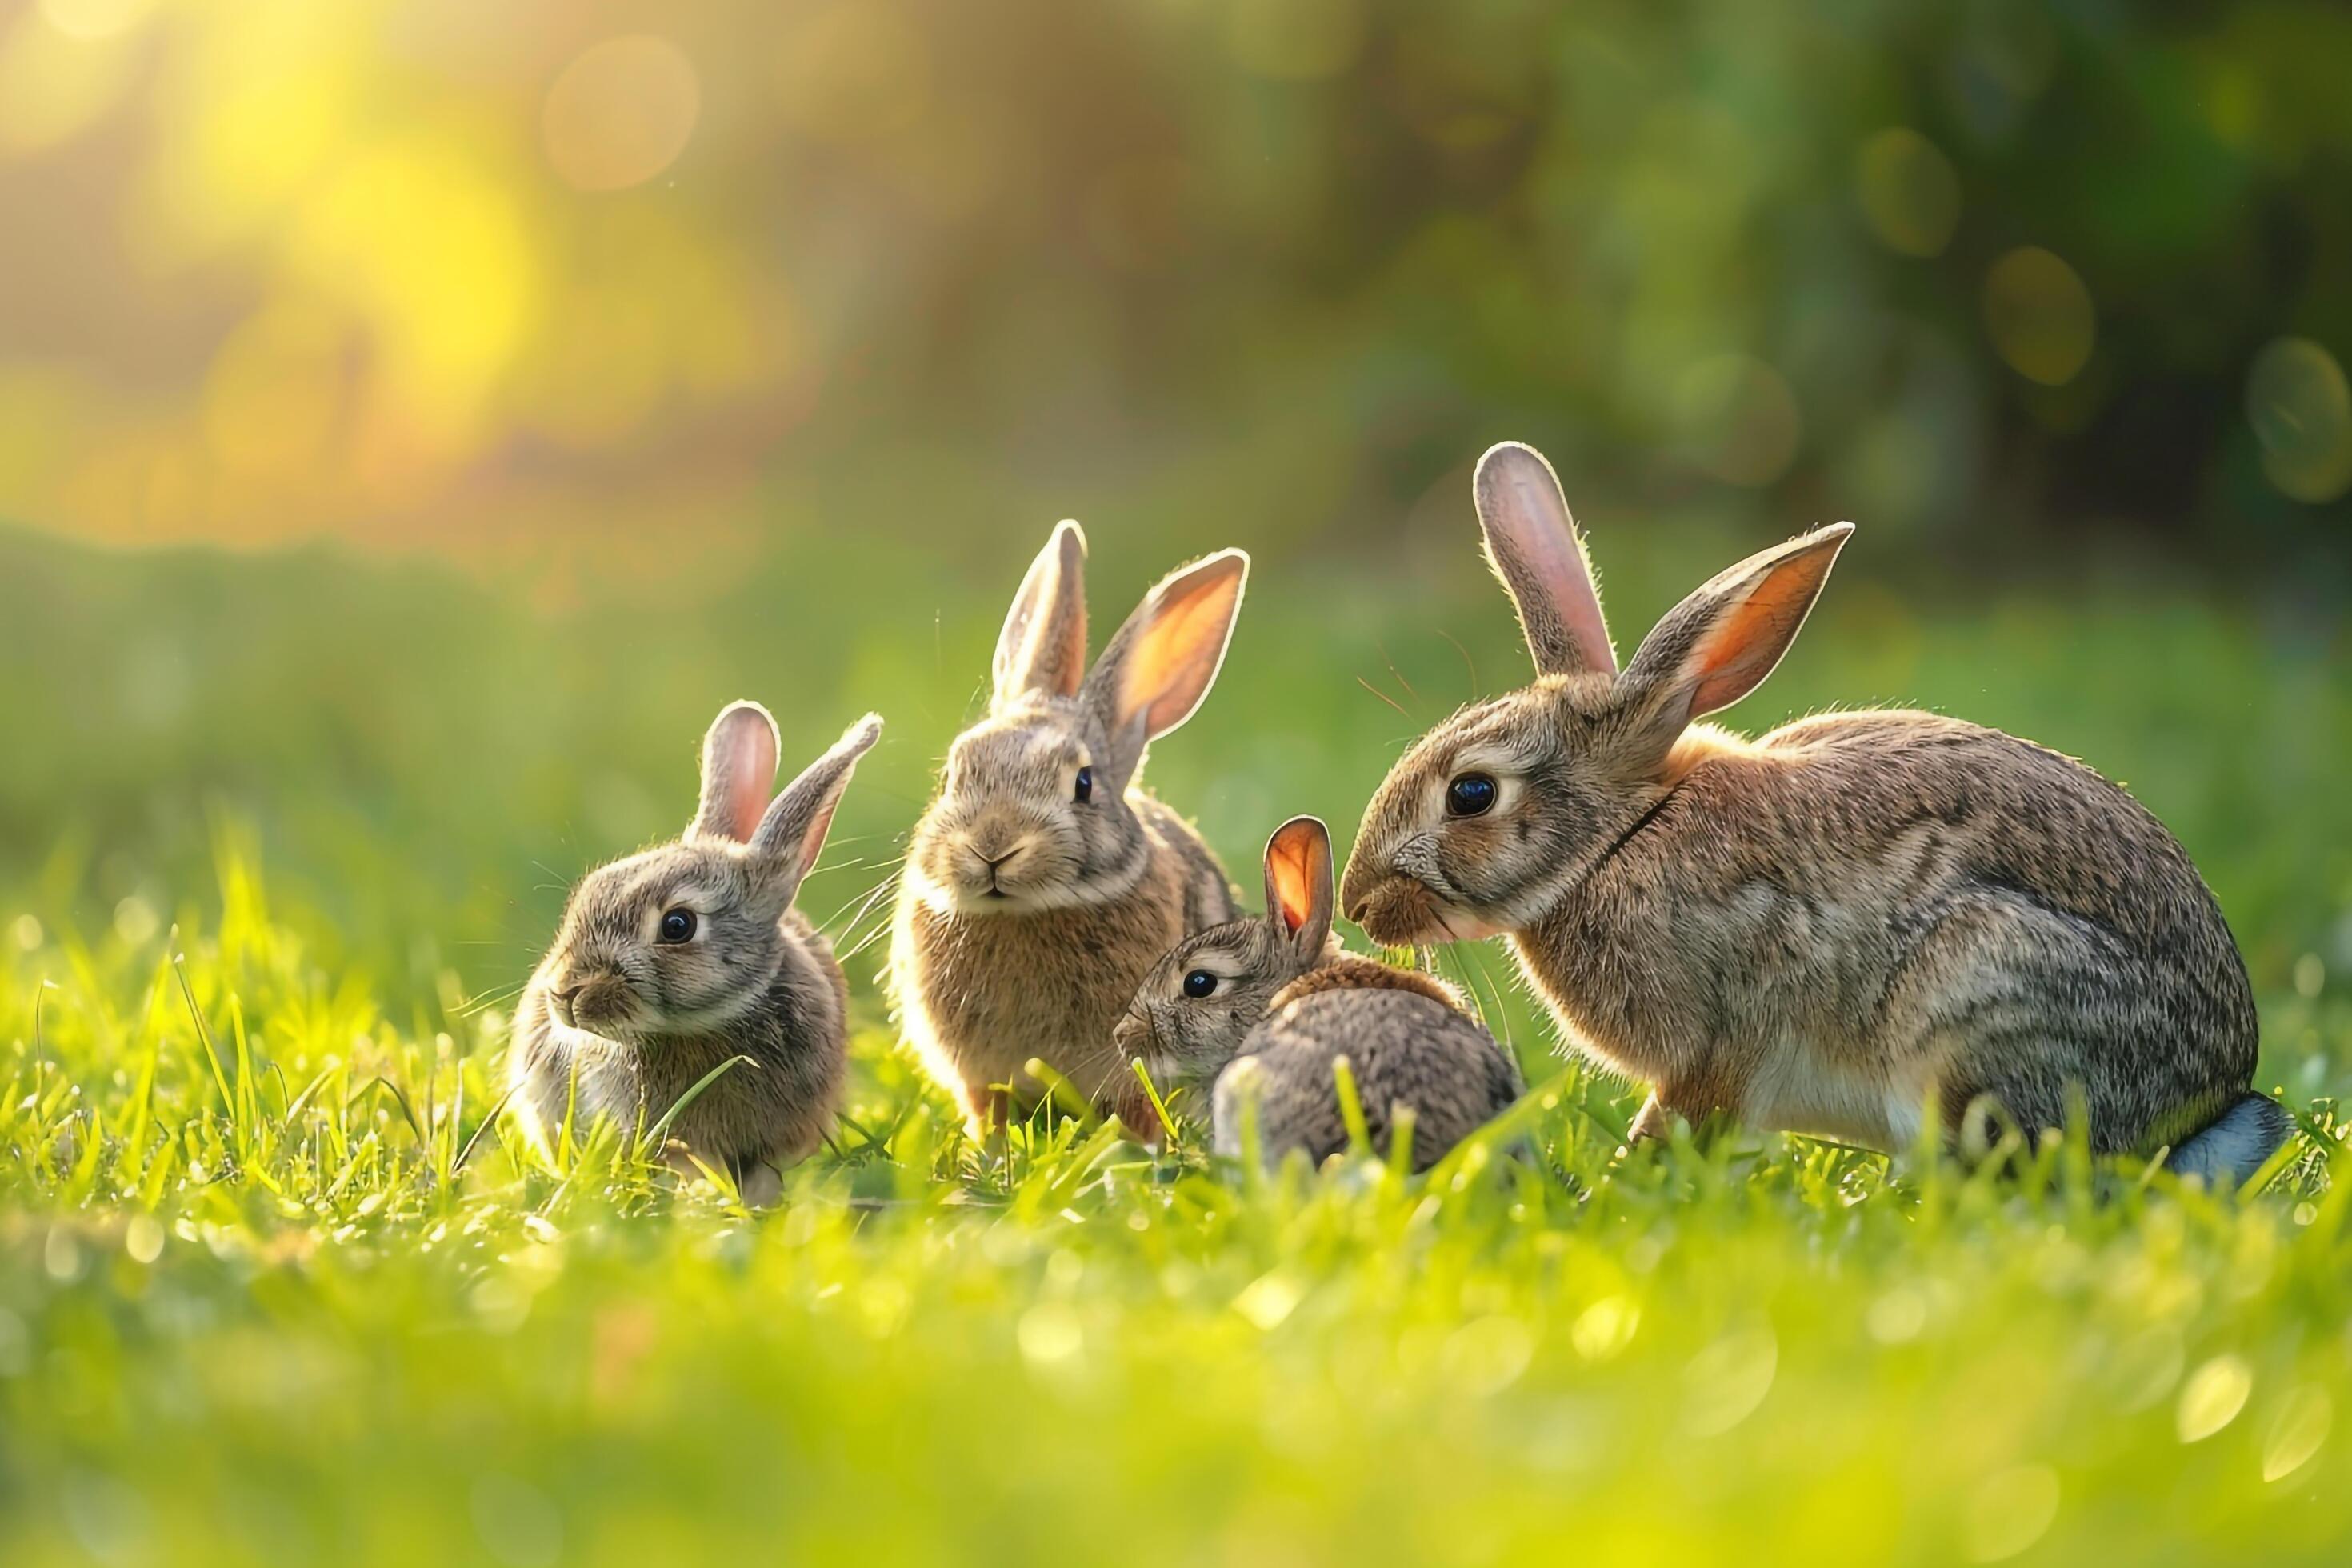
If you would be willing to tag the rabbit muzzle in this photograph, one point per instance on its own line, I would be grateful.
(595, 1002)
(1396, 911)
(1134, 1037)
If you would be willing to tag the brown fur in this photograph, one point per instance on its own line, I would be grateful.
(1350, 972)
(1287, 1003)
(998, 990)
(1406, 1050)
(1860, 919)
(619, 1023)
(1041, 887)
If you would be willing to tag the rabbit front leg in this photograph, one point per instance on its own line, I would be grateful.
(1654, 1122)
(762, 1186)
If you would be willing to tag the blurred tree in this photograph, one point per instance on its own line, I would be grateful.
(433, 270)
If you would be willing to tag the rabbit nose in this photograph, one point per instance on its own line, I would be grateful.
(1357, 911)
(563, 999)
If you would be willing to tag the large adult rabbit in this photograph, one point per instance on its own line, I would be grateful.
(1858, 921)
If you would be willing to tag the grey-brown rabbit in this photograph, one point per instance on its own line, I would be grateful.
(1858, 921)
(1264, 1006)
(1041, 884)
(672, 961)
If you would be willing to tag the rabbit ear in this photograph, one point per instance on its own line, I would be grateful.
(1299, 883)
(1161, 663)
(1718, 645)
(739, 767)
(792, 832)
(1533, 546)
(1042, 647)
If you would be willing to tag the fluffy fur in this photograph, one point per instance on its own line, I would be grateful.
(1287, 1003)
(635, 1020)
(1856, 923)
(1042, 882)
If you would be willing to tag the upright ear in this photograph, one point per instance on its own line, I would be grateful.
(793, 831)
(1298, 884)
(739, 765)
(1042, 647)
(1718, 645)
(1155, 672)
(1532, 545)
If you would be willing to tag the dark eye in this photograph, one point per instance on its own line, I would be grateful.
(1199, 983)
(677, 926)
(1086, 786)
(1471, 795)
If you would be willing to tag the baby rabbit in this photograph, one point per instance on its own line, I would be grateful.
(672, 961)
(1041, 885)
(1263, 1006)
(1833, 930)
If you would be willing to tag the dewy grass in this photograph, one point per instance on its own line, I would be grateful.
(309, 1298)
(279, 1283)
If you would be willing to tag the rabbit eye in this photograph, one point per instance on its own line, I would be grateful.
(1085, 791)
(1199, 983)
(678, 926)
(1471, 795)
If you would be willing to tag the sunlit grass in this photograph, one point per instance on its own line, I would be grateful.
(280, 1286)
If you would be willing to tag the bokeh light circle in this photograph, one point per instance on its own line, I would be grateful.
(2301, 409)
(92, 20)
(1908, 192)
(621, 112)
(2040, 315)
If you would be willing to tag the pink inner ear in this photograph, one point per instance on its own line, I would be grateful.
(811, 844)
(1291, 866)
(746, 798)
(1743, 647)
(1532, 538)
(747, 760)
(1177, 656)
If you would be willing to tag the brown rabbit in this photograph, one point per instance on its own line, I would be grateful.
(1264, 1004)
(1041, 884)
(1858, 919)
(674, 959)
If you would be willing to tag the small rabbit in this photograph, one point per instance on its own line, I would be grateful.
(674, 960)
(1263, 1006)
(1041, 884)
(1832, 929)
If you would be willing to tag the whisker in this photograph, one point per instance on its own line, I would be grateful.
(868, 940)
(1381, 695)
(1409, 691)
(474, 1006)
(864, 903)
(1468, 662)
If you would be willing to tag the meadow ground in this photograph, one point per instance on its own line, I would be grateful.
(278, 836)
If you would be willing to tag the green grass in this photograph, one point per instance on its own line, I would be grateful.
(276, 1286)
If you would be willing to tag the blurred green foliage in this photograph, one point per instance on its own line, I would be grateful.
(597, 365)
(476, 277)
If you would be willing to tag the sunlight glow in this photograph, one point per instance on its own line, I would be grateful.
(621, 112)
